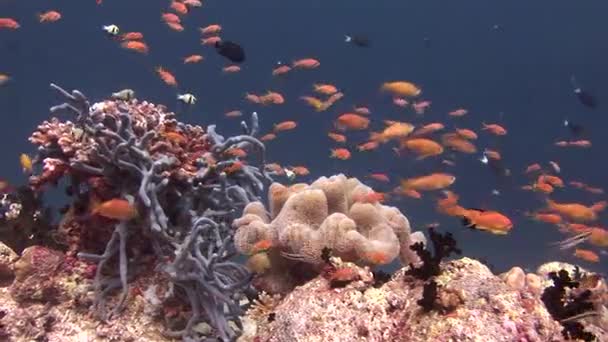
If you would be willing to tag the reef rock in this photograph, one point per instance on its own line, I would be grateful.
(473, 305)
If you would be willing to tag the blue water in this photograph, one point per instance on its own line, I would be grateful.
(517, 75)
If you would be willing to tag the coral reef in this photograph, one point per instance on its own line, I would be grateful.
(475, 305)
(187, 185)
(336, 213)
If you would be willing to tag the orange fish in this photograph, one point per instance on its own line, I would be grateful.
(271, 98)
(211, 29)
(368, 146)
(456, 143)
(552, 180)
(351, 121)
(381, 177)
(533, 168)
(337, 137)
(434, 181)
(401, 89)
(546, 217)
(573, 211)
(494, 129)
(175, 137)
(422, 147)
(211, 41)
(491, 154)
(236, 152)
(26, 163)
(135, 45)
(396, 130)
(132, 36)
(268, 137)
(314, 103)
(377, 258)
(340, 153)
(285, 126)
(9, 23)
(166, 76)
(193, 59)
(233, 114)
(325, 89)
(428, 129)
(170, 18)
(175, 26)
(458, 112)
(306, 63)
(261, 246)
(370, 197)
(490, 221)
(362, 110)
(49, 16)
(179, 7)
(117, 209)
(300, 170)
(466, 133)
(231, 69)
(586, 255)
(281, 70)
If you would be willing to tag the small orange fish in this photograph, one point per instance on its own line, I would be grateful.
(456, 143)
(586, 255)
(491, 154)
(546, 217)
(340, 153)
(281, 70)
(397, 130)
(117, 209)
(490, 221)
(494, 129)
(211, 41)
(362, 110)
(135, 45)
(261, 246)
(300, 170)
(422, 147)
(401, 89)
(285, 126)
(351, 121)
(175, 137)
(170, 18)
(175, 26)
(341, 138)
(236, 152)
(458, 112)
(325, 89)
(166, 76)
(9, 23)
(179, 7)
(466, 133)
(268, 137)
(306, 63)
(26, 163)
(233, 114)
(131, 36)
(434, 181)
(313, 102)
(573, 211)
(381, 177)
(211, 29)
(368, 146)
(533, 168)
(231, 69)
(49, 16)
(377, 258)
(428, 129)
(193, 59)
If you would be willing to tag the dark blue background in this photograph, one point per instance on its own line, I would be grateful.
(521, 70)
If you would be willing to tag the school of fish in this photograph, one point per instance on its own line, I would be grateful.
(442, 141)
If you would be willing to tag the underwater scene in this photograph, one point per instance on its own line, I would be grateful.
(290, 171)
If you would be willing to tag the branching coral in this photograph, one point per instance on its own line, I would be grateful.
(332, 213)
(185, 185)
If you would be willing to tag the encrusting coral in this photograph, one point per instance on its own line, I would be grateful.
(337, 213)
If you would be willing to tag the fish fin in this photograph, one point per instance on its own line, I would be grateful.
(467, 222)
(477, 209)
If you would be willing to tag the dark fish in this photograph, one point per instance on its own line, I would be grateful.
(584, 97)
(575, 129)
(357, 40)
(231, 50)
